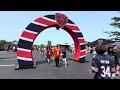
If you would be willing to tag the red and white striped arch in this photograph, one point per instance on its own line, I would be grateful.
(24, 49)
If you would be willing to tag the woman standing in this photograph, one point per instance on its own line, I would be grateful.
(48, 54)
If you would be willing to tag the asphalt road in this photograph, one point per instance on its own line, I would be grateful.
(43, 70)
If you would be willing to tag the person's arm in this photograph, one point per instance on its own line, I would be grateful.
(94, 66)
(62, 53)
(53, 51)
(114, 71)
(94, 69)
(112, 66)
(118, 68)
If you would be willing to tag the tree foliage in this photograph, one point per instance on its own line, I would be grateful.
(49, 43)
(116, 22)
(115, 35)
(2, 42)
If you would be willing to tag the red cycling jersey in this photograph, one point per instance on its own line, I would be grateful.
(49, 53)
(57, 53)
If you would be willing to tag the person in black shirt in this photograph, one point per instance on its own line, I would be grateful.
(64, 54)
(102, 65)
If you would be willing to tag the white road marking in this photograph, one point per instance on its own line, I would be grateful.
(8, 65)
(9, 59)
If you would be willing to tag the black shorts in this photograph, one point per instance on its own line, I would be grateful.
(57, 59)
(48, 58)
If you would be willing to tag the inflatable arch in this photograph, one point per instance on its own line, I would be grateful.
(28, 36)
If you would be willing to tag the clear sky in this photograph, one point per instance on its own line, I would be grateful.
(92, 24)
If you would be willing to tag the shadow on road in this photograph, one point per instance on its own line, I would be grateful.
(41, 62)
(45, 61)
(4, 58)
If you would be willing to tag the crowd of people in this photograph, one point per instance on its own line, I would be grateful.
(102, 64)
(10, 47)
(54, 54)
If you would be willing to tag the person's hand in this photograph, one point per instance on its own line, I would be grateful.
(113, 76)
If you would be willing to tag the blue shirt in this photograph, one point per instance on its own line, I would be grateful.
(104, 64)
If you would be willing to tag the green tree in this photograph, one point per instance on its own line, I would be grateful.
(115, 35)
(2, 42)
(49, 43)
(116, 22)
